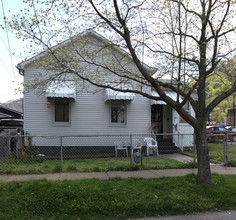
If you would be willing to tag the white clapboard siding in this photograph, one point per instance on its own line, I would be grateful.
(90, 114)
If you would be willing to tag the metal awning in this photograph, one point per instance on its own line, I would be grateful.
(171, 94)
(116, 95)
(65, 89)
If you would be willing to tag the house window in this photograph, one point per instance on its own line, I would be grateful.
(61, 111)
(118, 113)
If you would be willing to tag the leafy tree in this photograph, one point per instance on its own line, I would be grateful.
(184, 39)
(225, 73)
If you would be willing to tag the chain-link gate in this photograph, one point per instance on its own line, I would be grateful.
(218, 148)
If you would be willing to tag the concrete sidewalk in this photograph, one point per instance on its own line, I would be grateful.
(123, 174)
(217, 215)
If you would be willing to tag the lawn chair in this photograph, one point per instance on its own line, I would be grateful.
(136, 146)
(152, 145)
(119, 145)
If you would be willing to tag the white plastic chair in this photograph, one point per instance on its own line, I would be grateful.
(136, 146)
(151, 144)
(119, 145)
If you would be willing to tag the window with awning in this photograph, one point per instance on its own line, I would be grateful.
(60, 95)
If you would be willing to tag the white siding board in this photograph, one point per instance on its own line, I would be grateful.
(90, 114)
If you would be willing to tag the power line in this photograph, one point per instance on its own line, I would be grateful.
(4, 64)
(9, 48)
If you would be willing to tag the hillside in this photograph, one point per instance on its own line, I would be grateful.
(16, 105)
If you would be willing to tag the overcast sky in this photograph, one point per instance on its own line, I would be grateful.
(9, 76)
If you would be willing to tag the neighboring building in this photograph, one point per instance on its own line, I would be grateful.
(71, 109)
(7, 113)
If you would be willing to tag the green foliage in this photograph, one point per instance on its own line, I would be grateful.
(56, 168)
(71, 167)
(220, 81)
(114, 198)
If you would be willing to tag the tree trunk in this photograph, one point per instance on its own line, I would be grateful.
(203, 159)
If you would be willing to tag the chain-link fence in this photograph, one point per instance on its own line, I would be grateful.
(45, 154)
(222, 149)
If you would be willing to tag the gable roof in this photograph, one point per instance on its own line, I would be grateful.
(21, 66)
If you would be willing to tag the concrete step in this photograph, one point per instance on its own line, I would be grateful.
(166, 146)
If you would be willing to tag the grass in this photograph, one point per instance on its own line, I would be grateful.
(232, 155)
(217, 153)
(114, 198)
(26, 166)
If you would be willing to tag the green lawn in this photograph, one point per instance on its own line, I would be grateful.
(114, 198)
(216, 151)
(232, 155)
(24, 166)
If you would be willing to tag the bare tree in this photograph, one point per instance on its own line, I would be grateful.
(184, 40)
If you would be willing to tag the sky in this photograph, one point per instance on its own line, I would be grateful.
(9, 76)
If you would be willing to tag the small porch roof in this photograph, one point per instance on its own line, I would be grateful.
(171, 94)
(117, 95)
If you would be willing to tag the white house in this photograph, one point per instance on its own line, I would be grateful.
(76, 107)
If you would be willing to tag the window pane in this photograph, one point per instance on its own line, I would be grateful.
(222, 129)
(61, 110)
(117, 112)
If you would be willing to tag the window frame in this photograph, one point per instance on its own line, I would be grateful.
(61, 123)
(118, 124)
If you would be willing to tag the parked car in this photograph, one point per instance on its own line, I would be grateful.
(231, 128)
(13, 125)
(11, 122)
(221, 130)
(221, 125)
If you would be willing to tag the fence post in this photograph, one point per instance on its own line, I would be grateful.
(61, 152)
(227, 149)
(9, 142)
(194, 148)
(131, 152)
(224, 151)
(17, 143)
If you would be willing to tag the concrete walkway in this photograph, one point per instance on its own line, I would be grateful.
(217, 215)
(123, 174)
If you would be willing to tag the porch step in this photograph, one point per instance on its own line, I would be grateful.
(166, 146)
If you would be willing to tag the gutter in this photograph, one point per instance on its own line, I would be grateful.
(20, 69)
